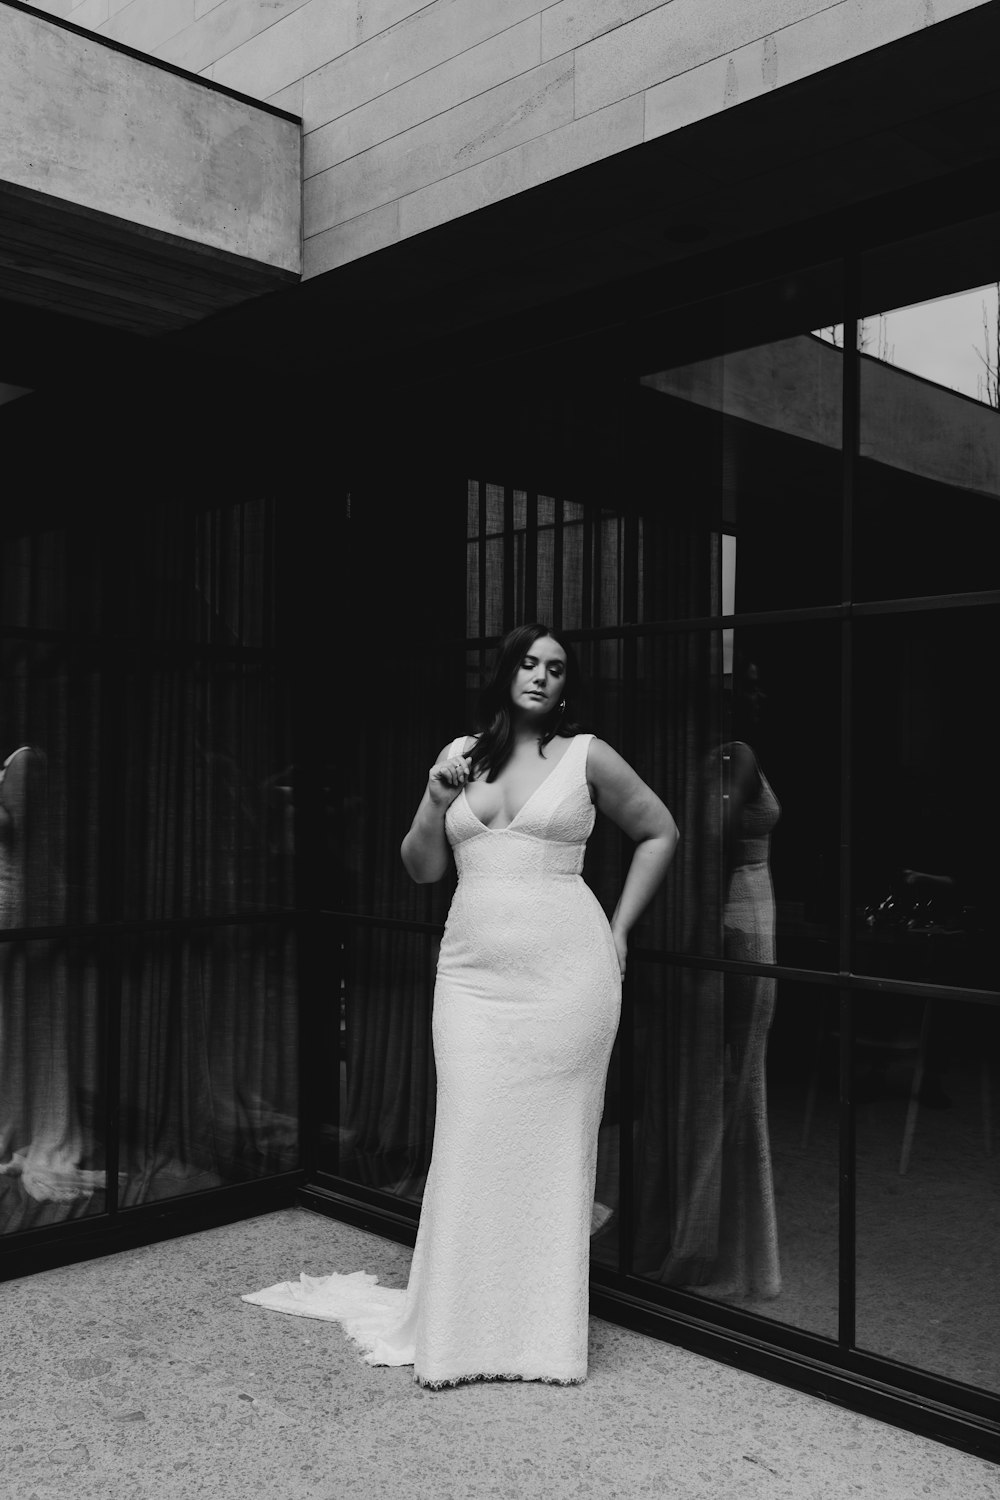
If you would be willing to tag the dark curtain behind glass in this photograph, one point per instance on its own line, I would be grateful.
(148, 782)
(396, 681)
(580, 561)
(51, 724)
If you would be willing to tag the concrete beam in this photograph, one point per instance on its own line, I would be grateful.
(96, 135)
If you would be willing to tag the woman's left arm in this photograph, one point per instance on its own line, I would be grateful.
(626, 799)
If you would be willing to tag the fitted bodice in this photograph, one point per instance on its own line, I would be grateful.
(547, 837)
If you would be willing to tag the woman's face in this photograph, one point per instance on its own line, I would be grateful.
(539, 683)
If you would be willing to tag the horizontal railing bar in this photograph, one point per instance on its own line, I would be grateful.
(824, 978)
(138, 926)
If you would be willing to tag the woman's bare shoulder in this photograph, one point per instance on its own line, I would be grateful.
(603, 758)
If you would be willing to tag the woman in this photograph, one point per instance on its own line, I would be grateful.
(526, 1008)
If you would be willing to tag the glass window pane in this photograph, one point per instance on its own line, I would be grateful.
(33, 580)
(927, 519)
(928, 1205)
(209, 791)
(52, 1097)
(925, 818)
(745, 441)
(51, 763)
(382, 1136)
(785, 704)
(197, 575)
(374, 783)
(749, 763)
(736, 1155)
(209, 1060)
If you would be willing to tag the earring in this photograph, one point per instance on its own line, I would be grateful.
(562, 706)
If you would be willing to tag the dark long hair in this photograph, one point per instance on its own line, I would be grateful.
(494, 720)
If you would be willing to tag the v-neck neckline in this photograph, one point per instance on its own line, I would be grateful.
(544, 782)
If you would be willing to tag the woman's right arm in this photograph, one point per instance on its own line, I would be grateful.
(425, 848)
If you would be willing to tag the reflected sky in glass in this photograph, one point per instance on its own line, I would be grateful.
(947, 341)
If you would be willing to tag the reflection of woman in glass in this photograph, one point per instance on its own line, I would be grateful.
(22, 780)
(525, 1013)
(40, 1138)
(706, 1217)
(748, 1240)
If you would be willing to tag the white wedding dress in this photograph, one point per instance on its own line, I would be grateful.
(526, 1009)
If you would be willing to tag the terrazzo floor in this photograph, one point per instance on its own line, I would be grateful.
(143, 1375)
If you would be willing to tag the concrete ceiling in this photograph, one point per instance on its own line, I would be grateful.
(871, 146)
(870, 142)
(136, 195)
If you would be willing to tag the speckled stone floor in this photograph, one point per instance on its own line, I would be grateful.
(144, 1375)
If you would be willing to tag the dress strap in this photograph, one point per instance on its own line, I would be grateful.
(584, 743)
(457, 747)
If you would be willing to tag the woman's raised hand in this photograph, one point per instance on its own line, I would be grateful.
(447, 779)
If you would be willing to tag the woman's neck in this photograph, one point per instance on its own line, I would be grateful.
(527, 734)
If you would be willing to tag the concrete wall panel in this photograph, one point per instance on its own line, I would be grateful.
(88, 125)
(289, 98)
(222, 29)
(346, 242)
(443, 30)
(541, 159)
(289, 50)
(375, 16)
(670, 40)
(570, 23)
(486, 126)
(501, 58)
(843, 30)
(388, 89)
(92, 14)
(146, 24)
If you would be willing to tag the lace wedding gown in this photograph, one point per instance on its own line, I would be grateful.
(526, 1008)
